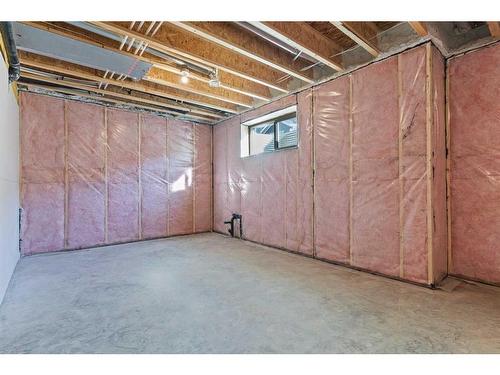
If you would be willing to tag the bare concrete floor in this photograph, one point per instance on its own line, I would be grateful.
(211, 294)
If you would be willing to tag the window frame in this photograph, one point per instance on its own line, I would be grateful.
(274, 121)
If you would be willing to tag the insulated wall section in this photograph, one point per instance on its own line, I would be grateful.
(154, 172)
(93, 175)
(123, 175)
(361, 188)
(42, 174)
(85, 175)
(474, 124)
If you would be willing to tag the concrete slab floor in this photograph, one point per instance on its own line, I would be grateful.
(211, 294)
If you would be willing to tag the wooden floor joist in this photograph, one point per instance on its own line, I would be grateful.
(304, 38)
(229, 82)
(247, 45)
(363, 37)
(165, 78)
(221, 63)
(419, 28)
(126, 84)
(494, 28)
(117, 94)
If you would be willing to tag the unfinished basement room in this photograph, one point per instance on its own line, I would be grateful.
(239, 187)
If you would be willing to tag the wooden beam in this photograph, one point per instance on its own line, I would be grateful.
(228, 81)
(115, 101)
(206, 54)
(494, 28)
(239, 41)
(223, 79)
(194, 86)
(358, 34)
(303, 37)
(419, 28)
(55, 66)
(116, 94)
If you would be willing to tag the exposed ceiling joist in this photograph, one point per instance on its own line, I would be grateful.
(164, 45)
(59, 82)
(53, 65)
(169, 79)
(494, 28)
(228, 81)
(303, 37)
(361, 36)
(115, 101)
(223, 79)
(233, 39)
(419, 27)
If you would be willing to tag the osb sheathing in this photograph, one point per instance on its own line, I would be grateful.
(93, 175)
(360, 188)
(474, 124)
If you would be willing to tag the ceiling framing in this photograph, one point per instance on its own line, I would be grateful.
(208, 71)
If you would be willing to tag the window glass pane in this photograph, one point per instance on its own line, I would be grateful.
(287, 132)
(262, 138)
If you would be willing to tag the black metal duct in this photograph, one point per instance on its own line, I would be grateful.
(10, 46)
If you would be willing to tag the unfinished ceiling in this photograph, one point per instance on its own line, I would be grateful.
(208, 71)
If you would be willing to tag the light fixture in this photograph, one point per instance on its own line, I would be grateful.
(184, 76)
(214, 79)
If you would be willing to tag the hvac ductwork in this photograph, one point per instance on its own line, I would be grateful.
(10, 46)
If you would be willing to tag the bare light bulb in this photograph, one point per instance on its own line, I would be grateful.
(184, 76)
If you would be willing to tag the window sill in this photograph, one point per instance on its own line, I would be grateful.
(271, 152)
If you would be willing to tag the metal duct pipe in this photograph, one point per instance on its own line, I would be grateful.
(109, 35)
(10, 46)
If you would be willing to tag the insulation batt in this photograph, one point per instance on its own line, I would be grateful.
(474, 105)
(93, 175)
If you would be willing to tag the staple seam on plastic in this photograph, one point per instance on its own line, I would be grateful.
(448, 169)
(400, 170)
(167, 174)
(193, 179)
(351, 170)
(139, 175)
(313, 171)
(429, 123)
(106, 188)
(66, 193)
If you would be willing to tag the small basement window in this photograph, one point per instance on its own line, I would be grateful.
(272, 132)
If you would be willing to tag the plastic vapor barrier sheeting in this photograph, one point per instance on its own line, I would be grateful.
(93, 175)
(272, 191)
(360, 188)
(474, 123)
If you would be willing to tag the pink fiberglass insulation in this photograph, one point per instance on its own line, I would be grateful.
(154, 183)
(123, 175)
(86, 190)
(42, 184)
(202, 178)
(93, 176)
(273, 198)
(375, 186)
(332, 180)
(474, 92)
(180, 154)
(272, 191)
